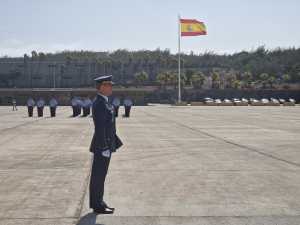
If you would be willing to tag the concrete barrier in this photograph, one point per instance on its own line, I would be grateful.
(226, 104)
(274, 104)
(211, 104)
(197, 103)
(180, 104)
(289, 104)
(257, 104)
(241, 103)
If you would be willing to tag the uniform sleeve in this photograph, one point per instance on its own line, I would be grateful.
(100, 130)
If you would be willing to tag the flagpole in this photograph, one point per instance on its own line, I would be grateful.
(179, 77)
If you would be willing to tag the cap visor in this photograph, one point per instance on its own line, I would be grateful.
(107, 82)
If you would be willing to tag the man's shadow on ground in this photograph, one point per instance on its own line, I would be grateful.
(89, 219)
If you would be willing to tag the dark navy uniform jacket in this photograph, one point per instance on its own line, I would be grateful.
(105, 136)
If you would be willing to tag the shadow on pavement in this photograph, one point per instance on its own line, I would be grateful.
(88, 219)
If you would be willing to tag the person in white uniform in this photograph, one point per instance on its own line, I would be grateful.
(74, 104)
(87, 104)
(14, 103)
(116, 103)
(127, 105)
(30, 106)
(40, 107)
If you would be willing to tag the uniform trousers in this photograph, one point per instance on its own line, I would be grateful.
(97, 179)
(53, 111)
(30, 111)
(40, 111)
(117, 111)
(74, 111)
(127, 111)
(86, 111)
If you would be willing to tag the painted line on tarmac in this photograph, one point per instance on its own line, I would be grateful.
(22, 124)
(226, 141)
(79, 210)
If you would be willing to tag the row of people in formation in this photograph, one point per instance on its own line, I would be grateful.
(40, 106)
(78, 104)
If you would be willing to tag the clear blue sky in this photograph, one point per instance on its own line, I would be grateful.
(106, 25)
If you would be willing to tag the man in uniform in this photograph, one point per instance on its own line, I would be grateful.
(127, 104)
(74, 104)
(79, 106)
(104, 142)
(53, 104)
(116, 103)
(40, 107)
(14, 103)
(30, 106)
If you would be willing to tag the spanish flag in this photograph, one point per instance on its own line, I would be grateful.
(191, 27)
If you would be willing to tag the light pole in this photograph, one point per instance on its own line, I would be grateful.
(53, 66)
(80, 69)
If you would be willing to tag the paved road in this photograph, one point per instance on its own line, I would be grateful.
(179, 165)
(43, 166)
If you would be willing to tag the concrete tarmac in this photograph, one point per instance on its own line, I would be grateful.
(178, 165)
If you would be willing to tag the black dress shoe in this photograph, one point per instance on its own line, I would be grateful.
(106, 206)
(103, 211)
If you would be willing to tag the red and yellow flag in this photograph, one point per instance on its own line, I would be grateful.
(191, 27)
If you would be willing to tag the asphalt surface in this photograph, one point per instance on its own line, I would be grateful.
(178, 165)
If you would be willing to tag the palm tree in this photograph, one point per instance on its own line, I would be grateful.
(247, 78)
(141, 77)
(215, 79)
(189, 73)
(197, 80)
(183, 79)
(41, 57)
(264, 77)
(68, 60)
(271, 81)
(230, 79)
(25, 69)
(173, 79)
(286, 78)
(34, 54)
(162, 79)
(237, 84)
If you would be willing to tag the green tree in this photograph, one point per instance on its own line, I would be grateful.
(286, 78)
(124, 64)
(42, 56)
(189, 73)
(183, 79)
(34, 54)
(141, 77)
(230, 79)
(247, 78)
(197, 80)
(264, 77)
(271, 81)
(237, 84)
(172, 79)
(215, 80)
(162, 79)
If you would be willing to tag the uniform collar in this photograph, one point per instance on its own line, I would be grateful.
(103, 96)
